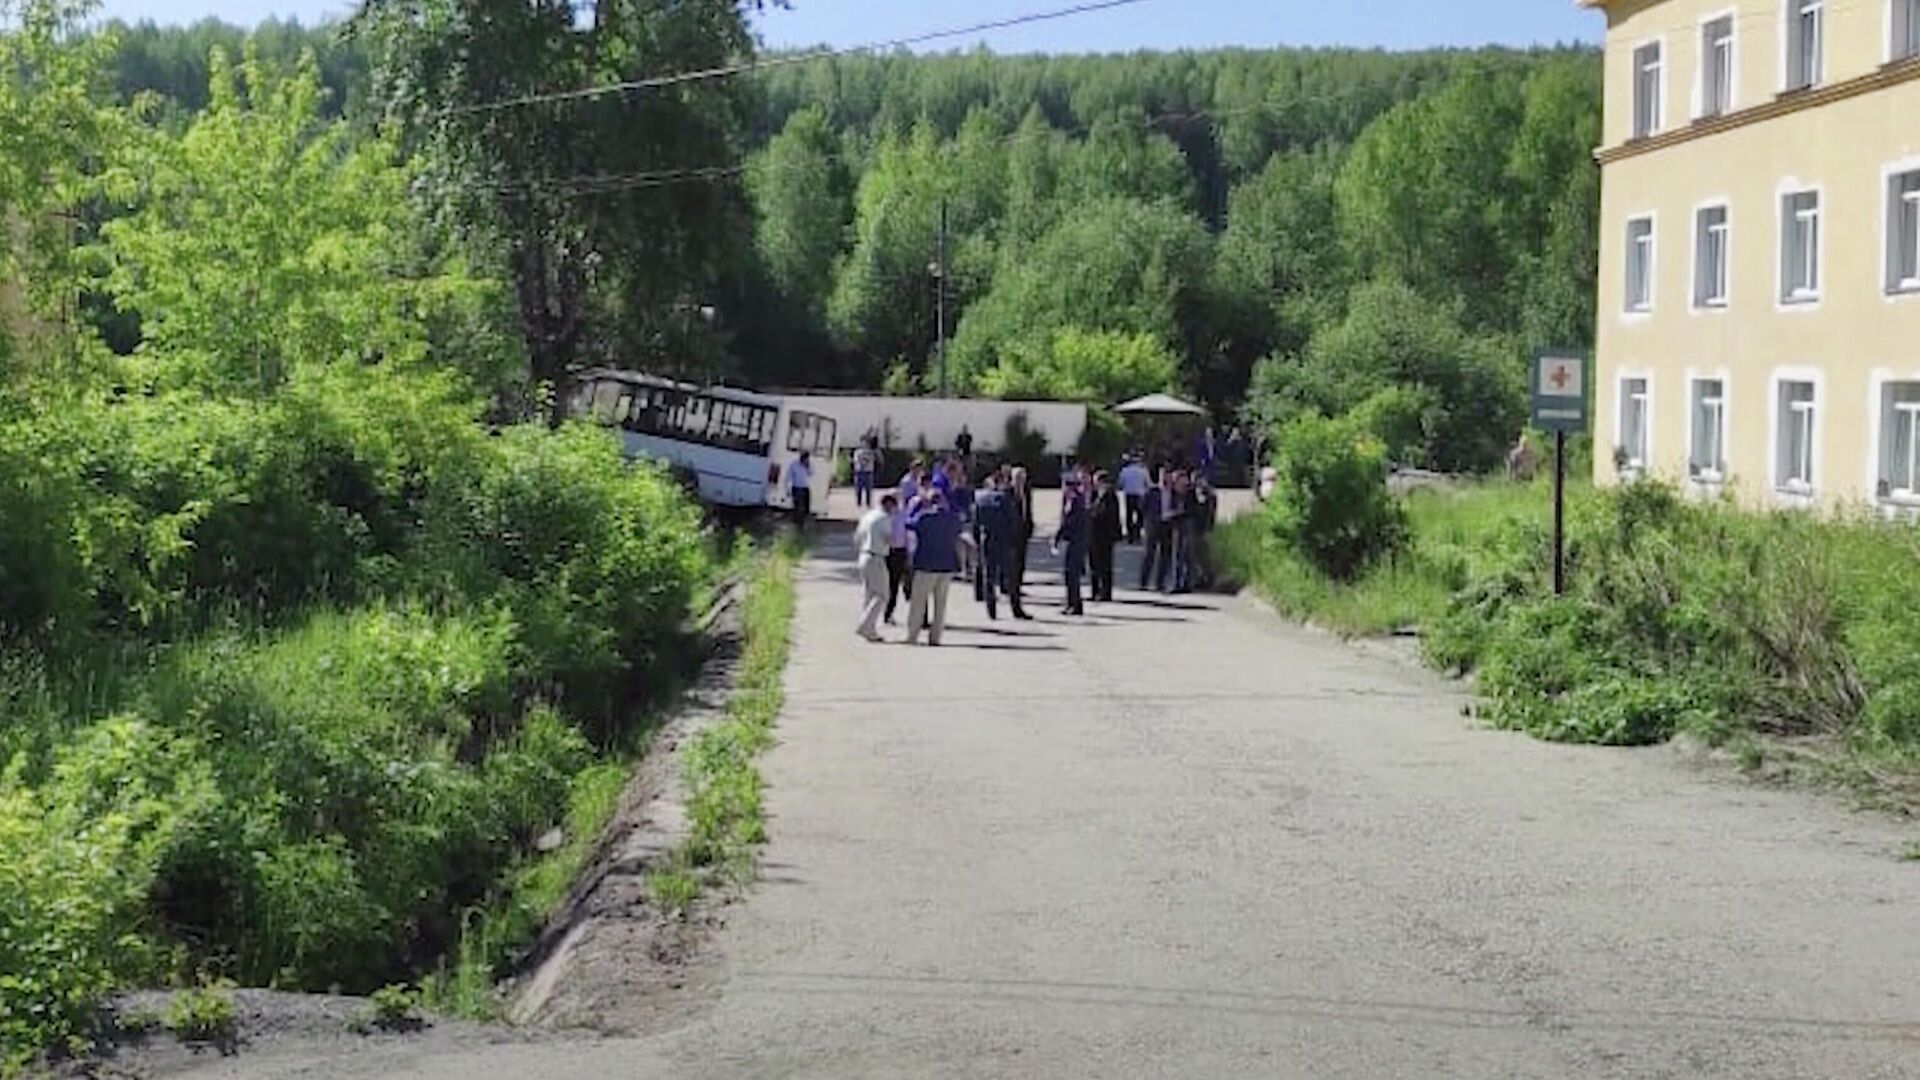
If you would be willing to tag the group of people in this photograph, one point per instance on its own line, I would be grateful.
(937, 527)
(934, 528)
(1172, 517)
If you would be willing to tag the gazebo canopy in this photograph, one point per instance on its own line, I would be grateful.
(1159, 405)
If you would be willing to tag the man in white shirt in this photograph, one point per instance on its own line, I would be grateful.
(872, 541)
(1134, 483)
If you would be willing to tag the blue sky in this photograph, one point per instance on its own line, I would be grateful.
(1154, 24)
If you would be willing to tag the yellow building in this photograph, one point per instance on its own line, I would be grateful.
(1759, 302)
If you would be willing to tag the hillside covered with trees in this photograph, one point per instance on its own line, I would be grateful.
(1252, 221)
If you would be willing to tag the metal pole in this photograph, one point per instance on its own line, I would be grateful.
(1559, 513)
(940, 305)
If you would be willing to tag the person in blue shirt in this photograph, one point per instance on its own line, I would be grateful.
(959, 494)
(937, 532)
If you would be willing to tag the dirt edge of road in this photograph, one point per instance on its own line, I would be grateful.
(611, 960)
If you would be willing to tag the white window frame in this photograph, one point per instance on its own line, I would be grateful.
(1661, 66)
(1644, 465)
(1700, 96)
(1710, 478)
(1903, 30)
(1652, 265)
(1788, 493)
(1726, 255)
(1907, 288)
(1809, 300)
(1882, 377)
(1789, 12)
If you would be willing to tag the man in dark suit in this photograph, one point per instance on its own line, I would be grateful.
(995, 527)
(1020, 504)
(1076, 521)
(1107, 529)
(1166, 513)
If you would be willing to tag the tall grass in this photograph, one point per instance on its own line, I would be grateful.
(724, 807)
(1680, 615)
(1455, 533)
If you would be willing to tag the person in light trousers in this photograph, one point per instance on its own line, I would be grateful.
(937, 532)
(873, 540)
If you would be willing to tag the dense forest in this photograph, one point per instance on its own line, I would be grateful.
(1115, 223)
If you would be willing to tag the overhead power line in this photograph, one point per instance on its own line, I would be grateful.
(609, 183)
(757, 64)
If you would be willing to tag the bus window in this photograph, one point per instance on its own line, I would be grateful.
(605, 395)
(811, 433)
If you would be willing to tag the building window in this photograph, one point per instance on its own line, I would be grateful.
(1633, 424)
(1707, 457)
(1711, 233)
(1640, 264)
(1795, 416)
(1903, 232)
(1716, 66)
(1647, 81)
(1800, 246)
(1805, 42)
(1900, 441)
(1906, 29)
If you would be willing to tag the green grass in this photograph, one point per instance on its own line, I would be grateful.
(724, 809)
(1737, 627)
(724, 804)
(673, 889)
(492, 933)
(1453, 539)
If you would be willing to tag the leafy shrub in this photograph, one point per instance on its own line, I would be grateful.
(128, 513)
(204, 1014)
(1401, 418)
(1393, 337)
(378, 779)
(394, 1007)
(1330, 503)
(78, 855)
(597, 561)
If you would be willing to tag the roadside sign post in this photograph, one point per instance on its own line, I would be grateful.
(1559, 391)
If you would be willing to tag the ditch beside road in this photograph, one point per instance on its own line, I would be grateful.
(1185, 838)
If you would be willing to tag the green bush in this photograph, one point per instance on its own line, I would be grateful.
(1330, 504)
(597, 561)
(78, 856)
(377, 779)
(1394, 338)
(204, 1014)
(127, 514)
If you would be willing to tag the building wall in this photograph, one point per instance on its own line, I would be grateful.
(1852, 338)
(1859, 40)
(935, 423)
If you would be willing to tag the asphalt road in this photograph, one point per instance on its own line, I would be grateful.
(1181, 838)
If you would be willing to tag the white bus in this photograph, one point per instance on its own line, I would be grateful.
(738, 445)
